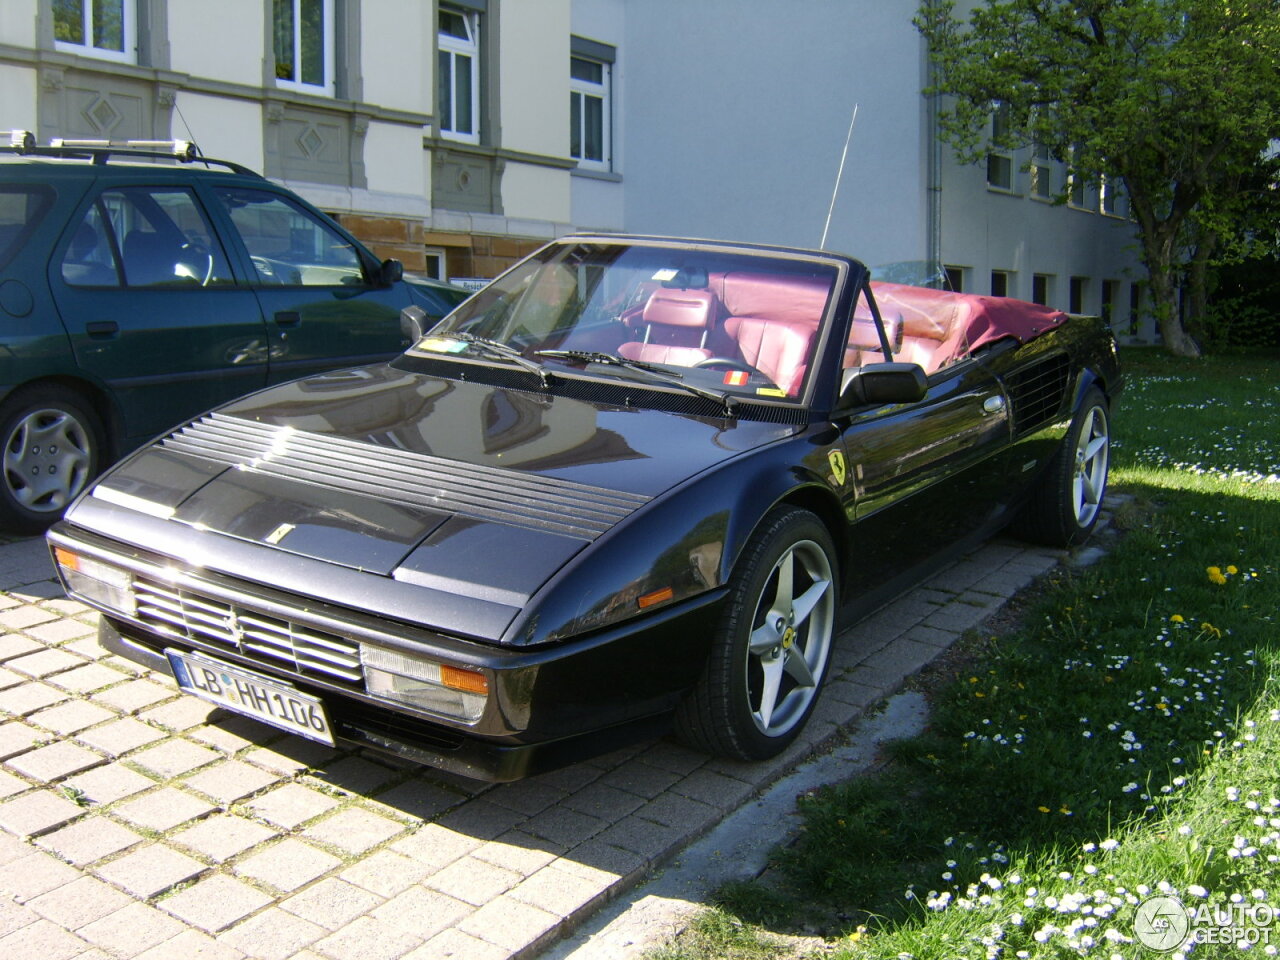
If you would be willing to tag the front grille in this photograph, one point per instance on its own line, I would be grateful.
(206, 622)
(1037, 392)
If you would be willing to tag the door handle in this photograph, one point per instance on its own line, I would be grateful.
(102, 328)
(288, 318)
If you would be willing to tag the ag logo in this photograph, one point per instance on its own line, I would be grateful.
(838, 469)
(1161, 923)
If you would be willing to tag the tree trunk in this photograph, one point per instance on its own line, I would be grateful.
(1158, 250)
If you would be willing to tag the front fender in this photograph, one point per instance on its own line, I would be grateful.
(684, 543)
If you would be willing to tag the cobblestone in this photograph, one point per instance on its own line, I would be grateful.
(207, 835)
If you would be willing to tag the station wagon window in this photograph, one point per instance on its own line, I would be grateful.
(289, 246)
(21, 208)
(302, 41)
(458, 74)
(95, 28)
(160, 234)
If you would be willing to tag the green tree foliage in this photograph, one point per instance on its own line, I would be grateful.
(1177, 99)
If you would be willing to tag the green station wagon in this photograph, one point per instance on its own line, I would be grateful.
(141, 284)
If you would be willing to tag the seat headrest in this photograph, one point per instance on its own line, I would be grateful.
(680, 308)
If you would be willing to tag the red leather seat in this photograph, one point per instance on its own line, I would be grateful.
(777, 348)
(773, 318)
(676, 323)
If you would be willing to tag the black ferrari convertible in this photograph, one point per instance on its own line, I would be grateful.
(632, 484)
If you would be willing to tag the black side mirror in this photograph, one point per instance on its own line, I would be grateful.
(878, 383)
(390, 272)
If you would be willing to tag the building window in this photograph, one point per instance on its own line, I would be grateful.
(1110, 190)
(1075, 187)
(95, 28)
(1076, 294)
(1041, 288)
(1041, 172)
(955, 278)
(590, 101)
(1109, 288)
(458, 75)
(436, 263)
(999, 283)
(999, 160)
(303, 45)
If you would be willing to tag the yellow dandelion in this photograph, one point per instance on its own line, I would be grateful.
(1215, 575)
(1065, 811)
(1044, 809)
(1177, 618)
(1232, 569)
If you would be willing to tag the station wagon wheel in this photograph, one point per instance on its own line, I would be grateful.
(52, 449)
(1063, 510)
(771, 650)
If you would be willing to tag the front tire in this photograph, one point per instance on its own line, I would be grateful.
(52, 448)
(1064, 510)
(773, 644)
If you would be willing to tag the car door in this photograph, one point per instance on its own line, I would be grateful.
(323, 304)
(925, 475)
(153, 307)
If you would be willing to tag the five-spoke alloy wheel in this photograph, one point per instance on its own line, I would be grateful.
(1063, 510)
(771, 651)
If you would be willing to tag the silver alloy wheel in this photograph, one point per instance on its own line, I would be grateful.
(47, 459)
(1089, 482)
(790, 638)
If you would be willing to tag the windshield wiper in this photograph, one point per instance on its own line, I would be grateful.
(496, 348)
(670, 376)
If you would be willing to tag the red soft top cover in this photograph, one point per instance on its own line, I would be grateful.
(983, 319)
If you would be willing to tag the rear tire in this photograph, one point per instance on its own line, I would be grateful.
(1064, 509)
(52, 448)
(770, 653)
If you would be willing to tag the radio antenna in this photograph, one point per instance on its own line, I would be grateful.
(839, 174)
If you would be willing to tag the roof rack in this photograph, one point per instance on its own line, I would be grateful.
(23, 142)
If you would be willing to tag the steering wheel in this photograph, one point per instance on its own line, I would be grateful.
(196, 251)
(728, 363)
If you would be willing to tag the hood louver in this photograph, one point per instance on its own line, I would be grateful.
(403, 477)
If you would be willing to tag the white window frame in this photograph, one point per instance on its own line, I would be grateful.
(327, 87)
(603, 91)
(455, 46)
(442, 263)
(998, 122)
(1041, 173)
(129, 33)
(1109, 197)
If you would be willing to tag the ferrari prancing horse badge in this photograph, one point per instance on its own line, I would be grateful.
(836, 459)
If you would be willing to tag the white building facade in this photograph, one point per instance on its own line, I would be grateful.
(460, 134)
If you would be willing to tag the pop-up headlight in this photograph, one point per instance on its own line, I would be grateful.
(97, 582)
(458, 692)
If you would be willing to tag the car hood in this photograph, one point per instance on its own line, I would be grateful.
(460, 488)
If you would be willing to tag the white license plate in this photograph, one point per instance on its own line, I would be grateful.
(248, 693)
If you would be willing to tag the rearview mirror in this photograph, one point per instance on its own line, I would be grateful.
(413, 324)
(390, 272)
(883, 383)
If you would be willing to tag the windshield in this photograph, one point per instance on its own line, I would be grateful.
(738, 324)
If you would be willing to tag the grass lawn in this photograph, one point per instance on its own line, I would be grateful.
(1121, 742)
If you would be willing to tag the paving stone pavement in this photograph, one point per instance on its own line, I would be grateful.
(138, 822)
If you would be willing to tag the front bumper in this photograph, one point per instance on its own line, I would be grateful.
(546, 707)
